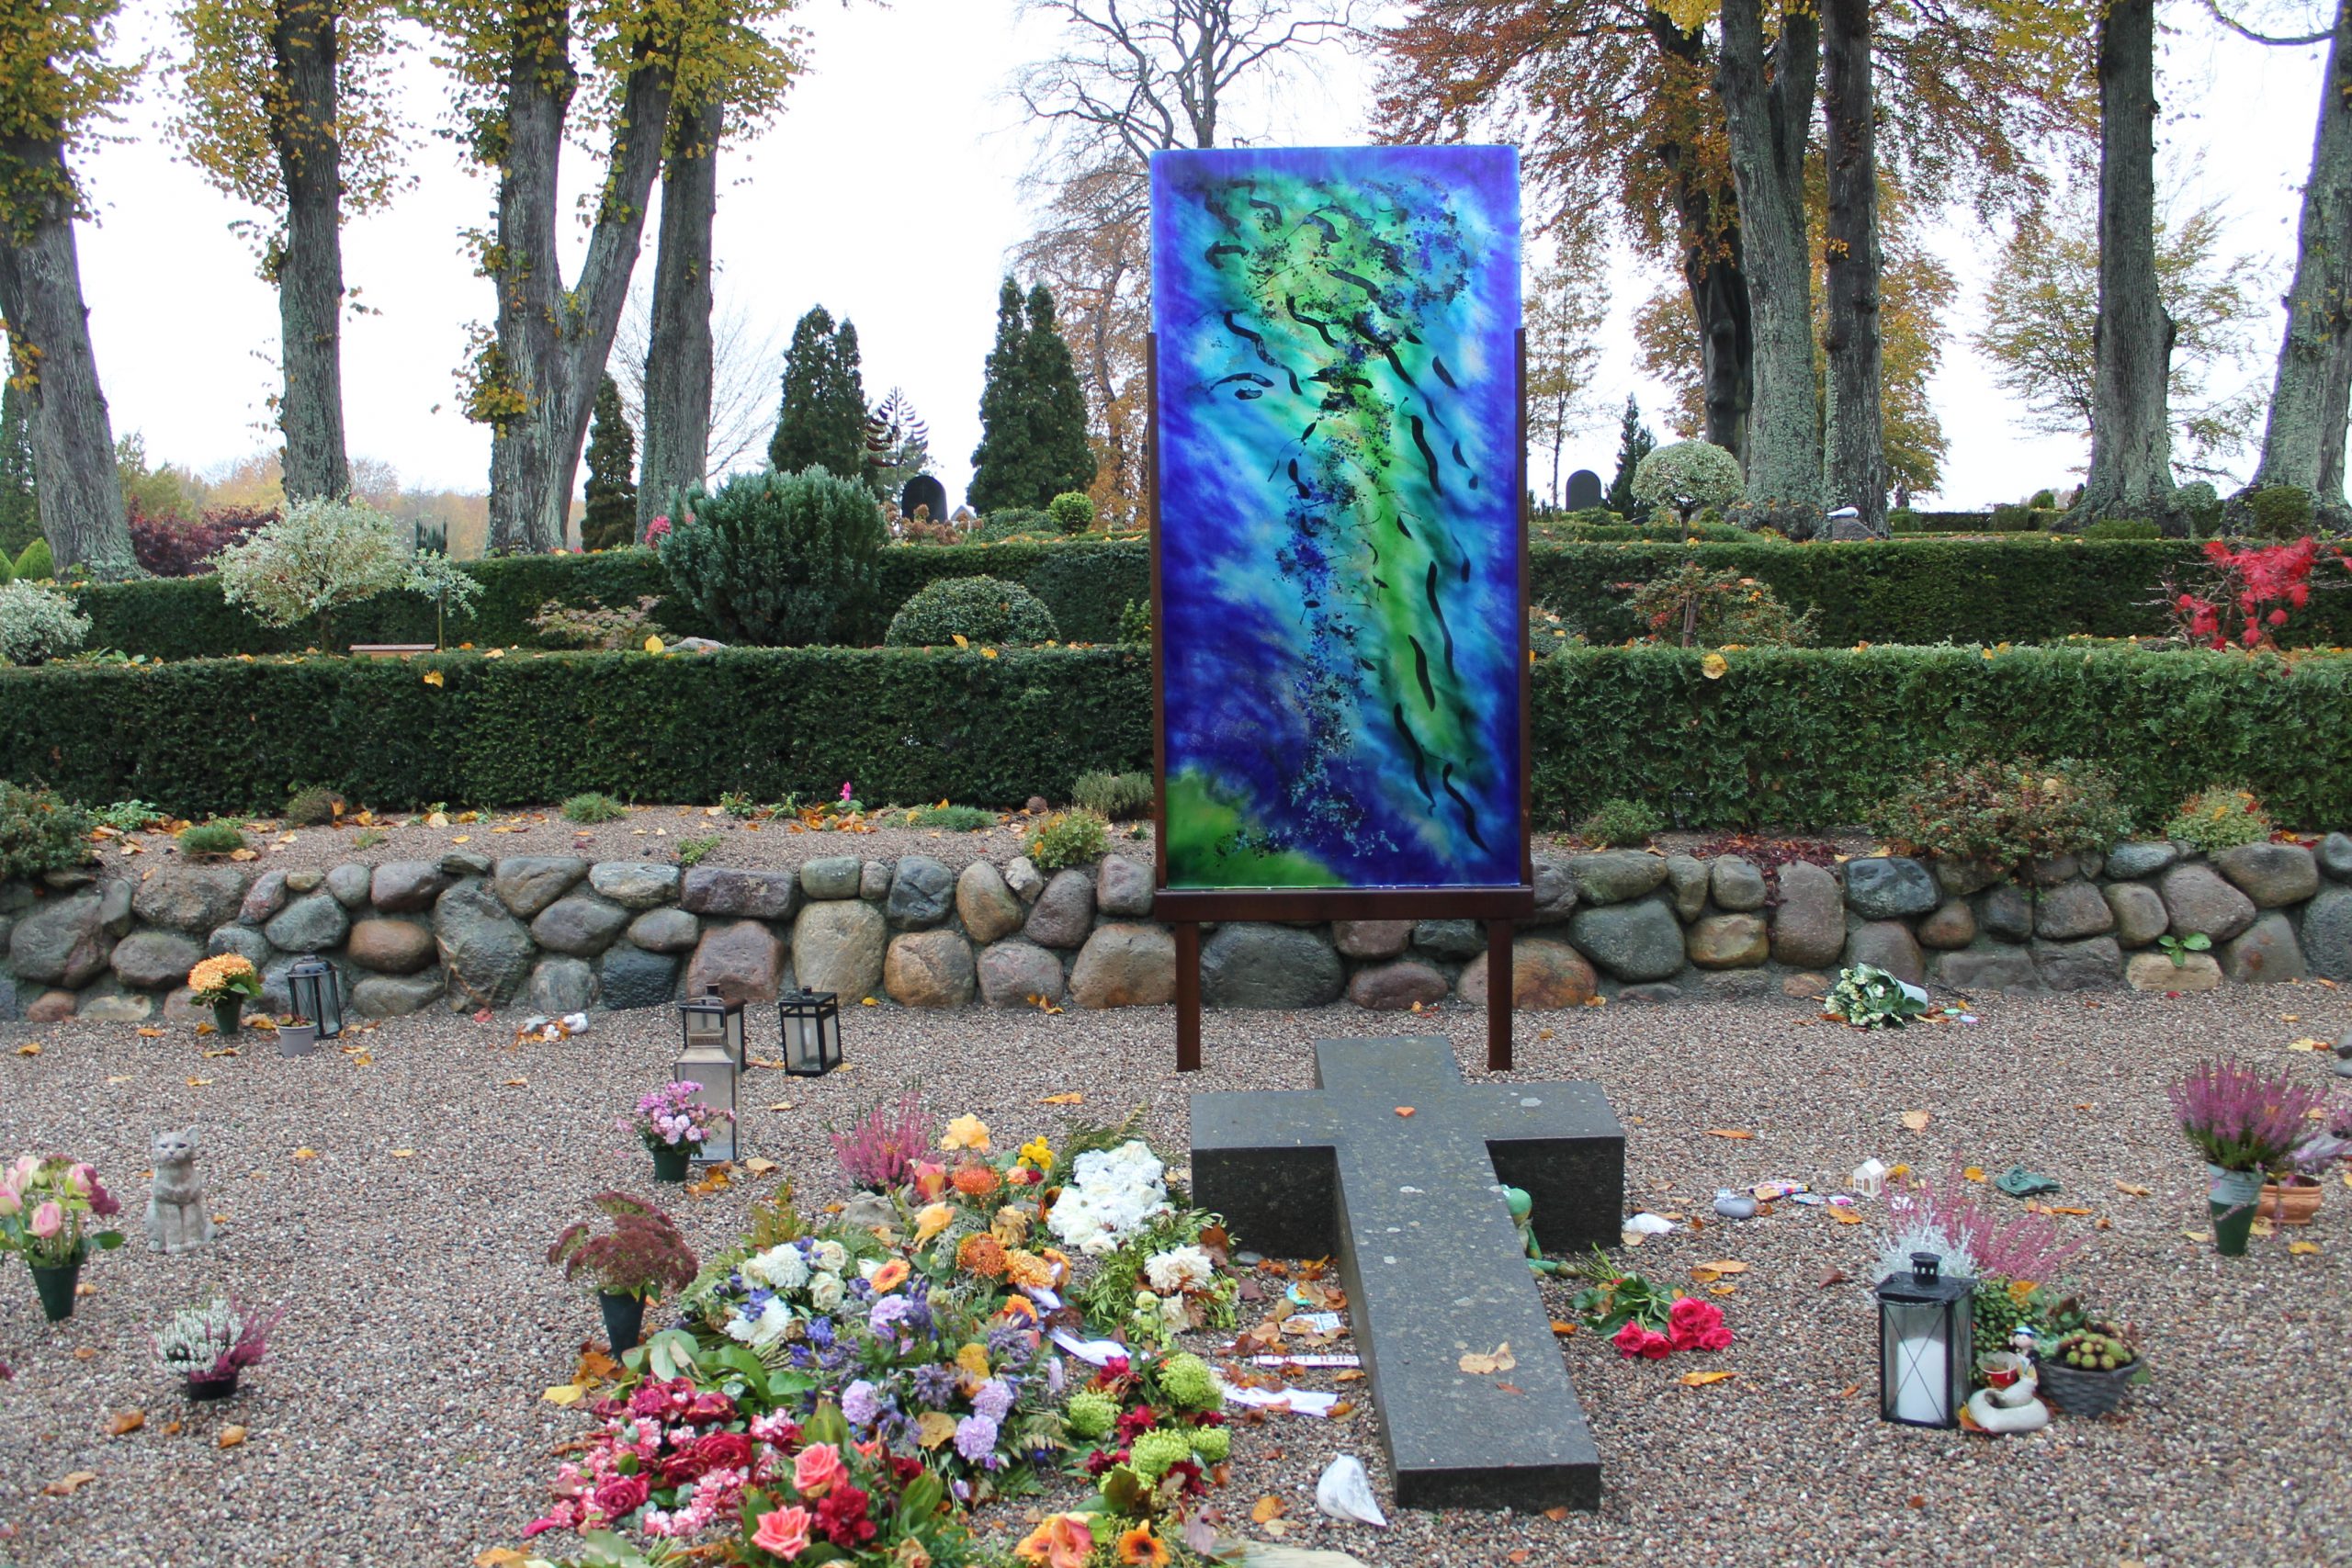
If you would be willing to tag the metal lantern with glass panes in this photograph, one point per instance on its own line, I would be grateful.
(316, 992)
(713, 1058)
(711, 1020)
(1925, 1342)
(812, 1033)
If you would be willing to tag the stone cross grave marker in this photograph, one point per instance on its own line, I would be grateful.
(1412, 1208)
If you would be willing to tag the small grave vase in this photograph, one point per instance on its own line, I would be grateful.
(297, 1039)
(2231, 1196)
(225, 1014)
(624, 1319)
(56, 1287)
(202, 1389)
(671, 1161)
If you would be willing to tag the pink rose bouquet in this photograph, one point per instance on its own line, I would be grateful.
(43, 1203)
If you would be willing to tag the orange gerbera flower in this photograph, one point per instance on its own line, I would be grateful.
(890, 1277)
(1060, 1540)
(1140, 1546)
(976, 1181)
(980, 1255)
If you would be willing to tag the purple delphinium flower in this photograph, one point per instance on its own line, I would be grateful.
(993, 1400)
(934, 1384)
(820, 1332)
(1006, 1338)
(975, 1438)
(861, 1404)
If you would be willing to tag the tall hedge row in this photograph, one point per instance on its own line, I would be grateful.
(1798, 737)
(1912, 590)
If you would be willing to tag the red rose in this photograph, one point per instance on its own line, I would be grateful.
(1654, 1347)
(840, 1515)
(621, 1496)
(723, 1450)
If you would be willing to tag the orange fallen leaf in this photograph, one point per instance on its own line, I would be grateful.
(2132, 1188)
(1516, 1554)
(1723, 1289)
(86, 1352)
(198, 1083)
(306, 1154)
(1480, 1363)
(1266, 1507)
(231, 1436)
(30, 1048)
(516, 1083)
(1917, 1120)
(2302, 1248)
(150, 1033)
(404, 1154)
(65, 1486)
(1563, 1328)
(1974, 1173)
(756, 1165)
(1348, 1374)
(171, 1428)
(1850, 1390)
(1725, 1265)
(1701, 1380)
(1845, 1216)
(1071, 1099)
(499, 1557)
(1404, 1110)
(124, 1422)
(1347, 1407)
(1729, 1132)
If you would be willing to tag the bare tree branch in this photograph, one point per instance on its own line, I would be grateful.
(2243, 31)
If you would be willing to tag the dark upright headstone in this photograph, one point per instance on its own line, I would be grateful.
(923, 491)
(1412, 1205)
(1584, 491)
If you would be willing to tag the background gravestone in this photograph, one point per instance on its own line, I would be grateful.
(923, 491)
(1584, 491)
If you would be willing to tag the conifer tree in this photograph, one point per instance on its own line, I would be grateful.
(1635, 442)
(822, 422)
(611, 520)
(1001, 462)
(1063, 460)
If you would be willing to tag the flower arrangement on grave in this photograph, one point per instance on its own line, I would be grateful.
(672, 1117)
(2245, 1121)
(43, 1203)
(880, 1148)
(224, 983)
(1152, 1438)
(208, 1346)
(1869, 998)
(1642, 1319)
(2019, 1259)
(1110, 1196)
(1172, 1277)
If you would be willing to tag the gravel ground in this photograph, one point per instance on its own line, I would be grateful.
(399, 1419)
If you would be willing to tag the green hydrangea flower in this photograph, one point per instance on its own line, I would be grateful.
(1213, 1444)
(1091, 1413)
(1187, 1381)
(1156, 1449)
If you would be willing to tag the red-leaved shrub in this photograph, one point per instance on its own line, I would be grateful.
(173, 547)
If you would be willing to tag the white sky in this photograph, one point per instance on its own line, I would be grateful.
(887, 193)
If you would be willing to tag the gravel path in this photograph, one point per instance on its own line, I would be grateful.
(399, 1418)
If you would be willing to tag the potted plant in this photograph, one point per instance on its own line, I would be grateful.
(41, 1205)
(207, 1347)
(224, 982)
(2245, 1122)
(629, 1263)
(674, 1123)
(2091, 1370)
(298, 1036)
(2292, 1194)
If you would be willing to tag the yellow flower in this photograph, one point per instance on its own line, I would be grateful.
(217, 978)
(1010, 1226)
(1028, 1271)
(1038, 1154)
(2021, 1290)
(966, 1133)
(930, 1220)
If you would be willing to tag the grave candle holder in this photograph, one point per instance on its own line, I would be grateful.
(711, 1023)
(316, 992)
(1925, 1340)
(812, 1033)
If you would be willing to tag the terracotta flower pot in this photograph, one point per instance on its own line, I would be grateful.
(2290, 1202)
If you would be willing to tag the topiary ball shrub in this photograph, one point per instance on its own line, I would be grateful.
(313, 805)
(1619, 824)
(39, 831)
(1072, 512)
(1901, 520)
(1067, 839)
(980, 609)
(1686, 475)
(780, 560)
(2221, 817)
(2279, 511)
(2200, 505)
(36, 565)
(212, 839)
(37, 624)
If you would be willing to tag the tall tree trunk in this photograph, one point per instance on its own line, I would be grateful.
(552, 344)
(678, 350)
(2335, 408)
(1713, 271)
(1854, 471)
(1769, 123)
(2302, 432)
(40, 293)
(2130, 471)
(304, 46)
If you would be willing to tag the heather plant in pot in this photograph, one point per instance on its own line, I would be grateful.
(43, 1204)
(878, 1152)
(638, 1256)
(2245, 1122)
(207, 1347)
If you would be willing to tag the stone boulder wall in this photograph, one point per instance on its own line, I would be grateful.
(555, 934)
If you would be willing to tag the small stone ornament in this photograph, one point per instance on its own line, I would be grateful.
(2343, 1055)
(1734, 1205)
(2008, 1402)
(176, 1222)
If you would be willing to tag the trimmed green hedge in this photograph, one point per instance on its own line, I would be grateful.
(1808, 737)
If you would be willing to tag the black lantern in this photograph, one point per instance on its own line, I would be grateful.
(316, 991)
(713, 1023)
(812, 1033)
(712, 1061)
(1925, 1343)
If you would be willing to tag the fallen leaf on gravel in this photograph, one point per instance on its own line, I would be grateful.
(1974, 1173)
(150, 1033)
(1723, 1289)
(516, 1083)
(2306, 1044)
(2132, 1188)
(306, 1154)
(2198, 1235)
(1834, 1276)
(1725, 1265)
(1850, 1390)
(85, 1353)
(198, 1083)
(1479, 1364)
(1266, 1507)
(756, 1165)
(714, 1179)
(1915, 1501)
(867, 1002)
(67, 1485)
(125, 1422)
(361, 1058)
(1543, 1034)
(1631, 1238)
(1916, 1120)
(781, 1105)
(225, 1051)
(1701, 1380)
(563, 1394)
(1563, 1328)
(171, 1428)
(1505, 1387)
(1516, 1554)
(1729, 1132)
(1845, 1216)
(1557, 1515)
(499, 1557)
(1355, 1374)
(202, 1029)
(404, 1154)
(30, 1048)
(1404, 1110)
(1071, 1099)
(119, 1077)
(2302, 1248)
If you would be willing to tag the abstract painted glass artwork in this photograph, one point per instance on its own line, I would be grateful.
(1341, 623)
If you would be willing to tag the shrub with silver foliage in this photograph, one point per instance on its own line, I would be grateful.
(37, 624)
(1686, 475)
(324, 555)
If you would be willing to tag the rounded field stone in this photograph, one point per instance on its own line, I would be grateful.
(243, 940)
(743, 960)
(2335, 856)
(466, 863)
(527, 884)
(1021, 875)
(1953, 925)
(1012, 973)
(580, 924)
(1960, 878)
(2327, 934)
(629, 977)
(2049, 871)
(351, 883)
(2006, 912)
(2078, 966)
(2157, 972)
(264, 899)
(1729, 941)
(2073, 910)
(2140, 916)
(112, 1004)
(667, 931)
(1615, 877)
(1805, 987)
(833, 876)
(875, 879)
(1632, 941)
(313, 923)
(389, 946)
(2265, 951)
(2270, 875)
(406, 886)
(1987, 968)
(1064, 913)
(929, 969)
(1395, 988)
(1124, 965)
(1123, 888)
(2198, 901)
(1371, 939)
(485, 950)
(304, 881)
(562, 985)
(1450, 939)
(1890, 887)
(1546, 975)
(920, 894)
(1556, 893)
(1687, 878)
(985, 904)
(62, 943)
(746, 895)
(2139, 857)
(395, 995)
(1888, 945)
(1809, 926)
(192, 898)
(50, 1007)
(1736, 885)
(1247, 963)
(635, 884)
(837, 946)
(155, 960)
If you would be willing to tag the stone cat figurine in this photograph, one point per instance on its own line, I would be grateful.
(176, 1222)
